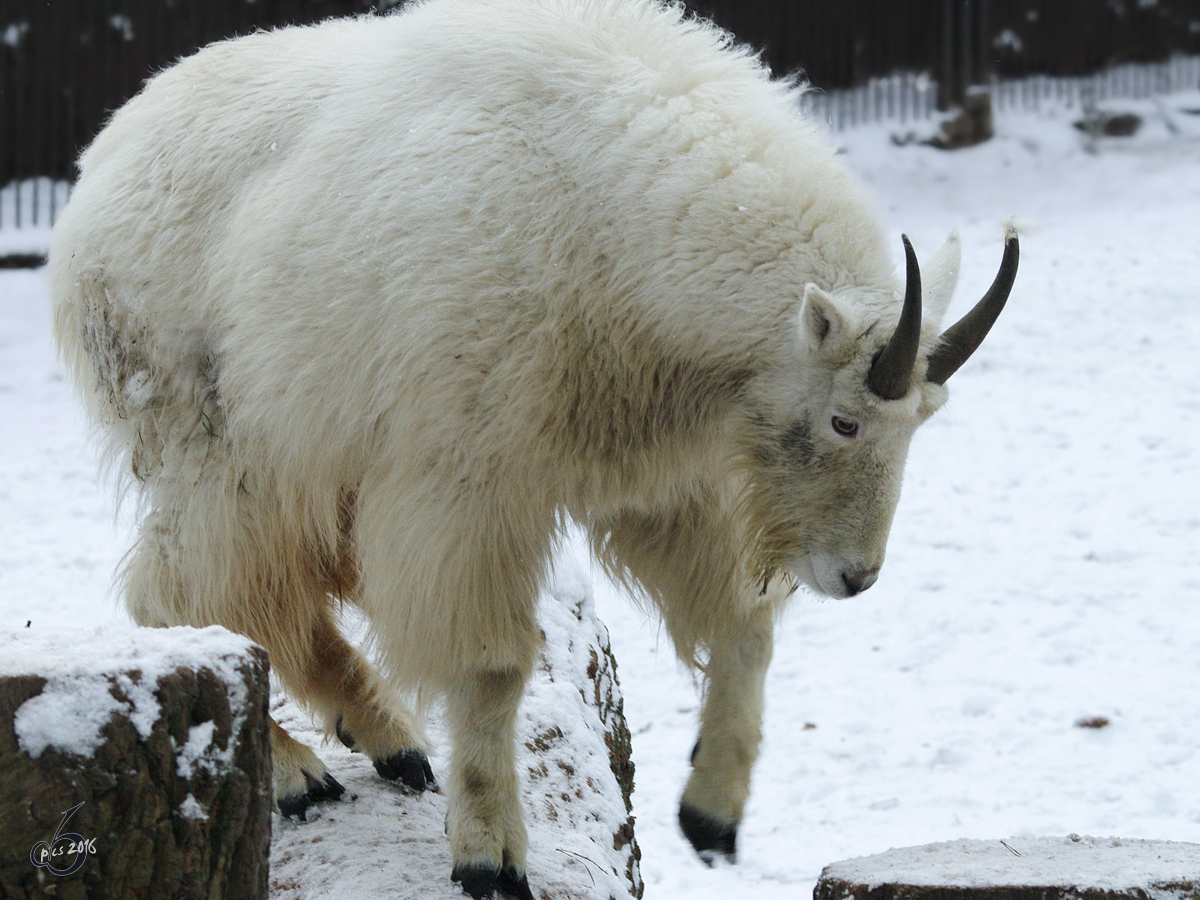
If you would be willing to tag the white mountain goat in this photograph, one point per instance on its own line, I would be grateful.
(369, 308)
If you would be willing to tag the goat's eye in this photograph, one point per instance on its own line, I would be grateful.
(844, 427)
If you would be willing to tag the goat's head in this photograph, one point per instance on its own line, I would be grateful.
(827, 460)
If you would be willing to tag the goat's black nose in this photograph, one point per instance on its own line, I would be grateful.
(858, 581)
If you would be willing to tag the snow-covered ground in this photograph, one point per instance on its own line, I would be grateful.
(1043, 568)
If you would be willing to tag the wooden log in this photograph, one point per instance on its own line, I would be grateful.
(580, 774)
(1041, 868)
(133, 764)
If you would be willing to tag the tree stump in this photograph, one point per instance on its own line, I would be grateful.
(1042, 868)
(968, 125)
(133, 764)
(579, 793)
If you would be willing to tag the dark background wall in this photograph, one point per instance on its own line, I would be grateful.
(66, 64)
(841, 43)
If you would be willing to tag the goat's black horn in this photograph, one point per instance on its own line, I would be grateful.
(961, 339)
(892, 369)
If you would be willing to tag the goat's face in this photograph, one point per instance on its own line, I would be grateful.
(828, 435)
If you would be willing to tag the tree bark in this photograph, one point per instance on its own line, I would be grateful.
(134, 765)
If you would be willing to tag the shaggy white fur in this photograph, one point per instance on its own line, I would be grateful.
(367, 308)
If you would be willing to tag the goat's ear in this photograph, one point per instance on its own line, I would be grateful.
(939, 276)
(821, 318)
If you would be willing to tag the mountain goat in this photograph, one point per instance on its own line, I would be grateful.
(368, 309)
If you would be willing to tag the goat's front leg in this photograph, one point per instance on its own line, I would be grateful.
(730, 731)
(687, 561)
(485, 825)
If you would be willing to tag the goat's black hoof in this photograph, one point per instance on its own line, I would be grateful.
(316, 789)
(486, 883)
(514, 884)
(342, 735)
(295, 806)
(477, 882)
(409, 767)
(711, 838)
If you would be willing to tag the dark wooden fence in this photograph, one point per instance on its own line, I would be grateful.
(844, 43)
(66, 64)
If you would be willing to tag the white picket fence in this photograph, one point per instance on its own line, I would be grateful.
(1132, 81)
(27, 211)
(33, 205)
(904, 98)
(900, 98)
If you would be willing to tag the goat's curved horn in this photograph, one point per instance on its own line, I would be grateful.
(961, 339)
(892, 369)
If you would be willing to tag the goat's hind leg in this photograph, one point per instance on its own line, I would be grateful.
(358, 708)
(354, 701)
(181, 572)
(336, 682)
(300, 778)
(192, 567)
(333, 680)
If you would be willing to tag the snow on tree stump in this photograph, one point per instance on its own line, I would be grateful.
(573, 764)
(578, 797)
(1042, 868)
(133, 764)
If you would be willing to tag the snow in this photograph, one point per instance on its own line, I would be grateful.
(81, 665)
(191, 808)
(14, 34)
(1083, 862)
(1042, 569)
(67, 716)
(200, 752)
